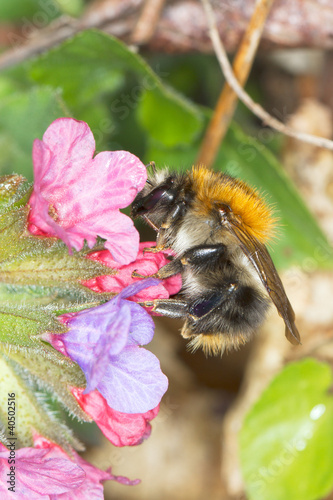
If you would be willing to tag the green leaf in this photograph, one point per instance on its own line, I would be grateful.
(80, 66)
(21, 324)
(48, 263)
(32, 414)
(20, 10)
(59, 299)
(36, 14)
(92, 63)
(6, 87)
(175, 122)
(286, 443)
(56, 376)
(178, 158)
(24, 116)
(85, 69)
(70, 7)
(13, 191)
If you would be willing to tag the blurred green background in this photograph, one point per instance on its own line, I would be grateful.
(157, 106)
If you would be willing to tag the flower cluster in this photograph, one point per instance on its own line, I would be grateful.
(77, 197)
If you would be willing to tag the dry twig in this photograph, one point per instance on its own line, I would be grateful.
(228, 98)
(244, 97)
(147, 22)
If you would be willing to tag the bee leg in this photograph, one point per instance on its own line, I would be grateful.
(199, 256)
(194, 310)
(138, 275)
(170, 269)
(160, 242)
(172, 308)
(202, 256)
(153, 249)
(160, 238)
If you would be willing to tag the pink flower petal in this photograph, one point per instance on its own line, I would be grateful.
(40, 472)
(91, 488)
(77, 197)
(122, 429)
(146, 264)
(71, 143)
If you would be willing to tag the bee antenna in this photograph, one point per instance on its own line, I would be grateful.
(148, 182)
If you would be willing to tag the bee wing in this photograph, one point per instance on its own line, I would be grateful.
(263, 264)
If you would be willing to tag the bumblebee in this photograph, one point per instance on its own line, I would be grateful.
(217, 227)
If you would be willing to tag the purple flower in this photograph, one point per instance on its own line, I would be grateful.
(105, 341)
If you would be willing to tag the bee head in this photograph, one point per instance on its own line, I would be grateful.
(162, 194)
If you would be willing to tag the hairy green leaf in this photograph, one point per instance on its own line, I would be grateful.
(33, 414)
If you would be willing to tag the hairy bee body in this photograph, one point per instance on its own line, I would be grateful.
(217, 226)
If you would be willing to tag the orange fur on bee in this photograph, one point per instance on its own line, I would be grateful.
(212, 188)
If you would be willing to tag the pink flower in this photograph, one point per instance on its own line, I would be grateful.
(77, 197)
(122, 429)
(38, 472)
(91, 487)
(147, 263)
(47, 472)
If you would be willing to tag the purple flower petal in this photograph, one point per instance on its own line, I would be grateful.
(135, 382)
(142, 328)
(89, 326)
(137, 287)
(95, 335)
(106, 348)
(104, 342)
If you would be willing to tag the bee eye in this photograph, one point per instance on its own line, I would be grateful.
(155, 196)
(149, 201)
